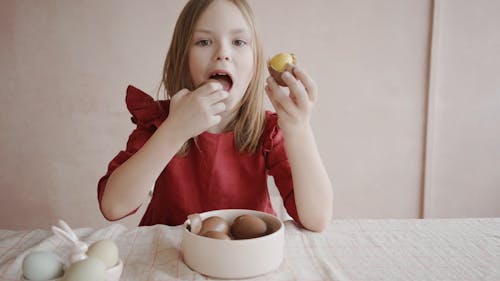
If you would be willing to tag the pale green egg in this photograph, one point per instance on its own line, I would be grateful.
(42, 266)
(106, 251)
(86, 270)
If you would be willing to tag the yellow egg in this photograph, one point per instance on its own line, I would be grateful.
(106, 251)
(280, 61)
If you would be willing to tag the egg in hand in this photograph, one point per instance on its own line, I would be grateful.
(280, 63)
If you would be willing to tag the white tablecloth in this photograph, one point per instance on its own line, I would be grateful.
(445, 249)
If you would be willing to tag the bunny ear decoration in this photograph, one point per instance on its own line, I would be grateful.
(64, 235)
(68, 235)
(68, 230)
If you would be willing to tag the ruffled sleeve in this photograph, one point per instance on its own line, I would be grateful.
(148, 115)
(277, 164)
(145, 111)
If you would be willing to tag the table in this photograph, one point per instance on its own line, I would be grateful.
(429, 249)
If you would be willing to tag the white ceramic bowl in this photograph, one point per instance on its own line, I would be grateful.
(114, 273)
(229, 259)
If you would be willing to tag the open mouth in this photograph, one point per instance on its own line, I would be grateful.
(223, 78)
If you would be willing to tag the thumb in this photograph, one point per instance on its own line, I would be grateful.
(180, 94)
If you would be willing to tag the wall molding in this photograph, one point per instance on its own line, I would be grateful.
(430, 111)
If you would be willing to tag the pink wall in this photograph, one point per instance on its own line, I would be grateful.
(65, 66)
(463, 151)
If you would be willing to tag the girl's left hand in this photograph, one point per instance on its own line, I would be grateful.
(293, 103)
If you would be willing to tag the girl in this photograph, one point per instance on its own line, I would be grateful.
(212, 144)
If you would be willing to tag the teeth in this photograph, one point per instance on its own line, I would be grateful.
(221, 74)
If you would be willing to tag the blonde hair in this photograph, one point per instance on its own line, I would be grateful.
(248, 122)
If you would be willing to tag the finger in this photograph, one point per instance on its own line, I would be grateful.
(277, 106)
(309, 84)
(214, 120)
(218, 108)
(217, 96)
(272, 99)
(209, 87)
(297, 91)
(180, 94)
(281, 98)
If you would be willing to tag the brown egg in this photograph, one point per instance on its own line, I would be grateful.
(217, 235)
(214, 223)
(280, 63)
(248, 226)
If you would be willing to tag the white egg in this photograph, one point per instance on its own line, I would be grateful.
(42, 265)
(106, 251)
(86, 270)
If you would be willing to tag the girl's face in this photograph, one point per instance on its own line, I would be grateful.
(221, 49)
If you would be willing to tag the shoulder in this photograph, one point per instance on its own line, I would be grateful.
(144, 109)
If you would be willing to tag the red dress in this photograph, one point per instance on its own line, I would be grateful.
(213, 175)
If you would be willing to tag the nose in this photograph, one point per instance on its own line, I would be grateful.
(223, 58)
(223, 53)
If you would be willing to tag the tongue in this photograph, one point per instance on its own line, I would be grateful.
(225, 81)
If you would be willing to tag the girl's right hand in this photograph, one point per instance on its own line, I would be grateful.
(192, 113)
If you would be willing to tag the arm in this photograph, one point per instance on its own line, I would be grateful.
(190, 114)
(129, 184)
(312, 187)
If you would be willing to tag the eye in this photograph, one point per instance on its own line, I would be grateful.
(203, 42)
(239, 42)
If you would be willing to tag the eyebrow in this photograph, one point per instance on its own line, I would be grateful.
(232, 31)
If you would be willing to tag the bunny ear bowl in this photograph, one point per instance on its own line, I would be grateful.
(100, 261)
